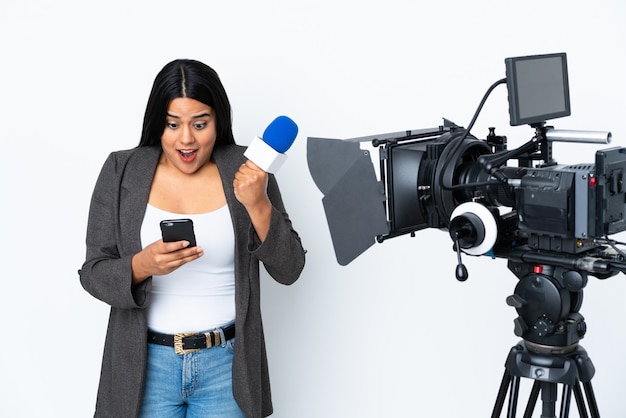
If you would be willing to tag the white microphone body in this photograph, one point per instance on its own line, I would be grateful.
(266, 157)
(268, 151)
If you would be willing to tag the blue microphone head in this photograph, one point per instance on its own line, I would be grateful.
(280, 134)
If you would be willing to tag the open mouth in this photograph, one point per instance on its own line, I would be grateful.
(187, 155)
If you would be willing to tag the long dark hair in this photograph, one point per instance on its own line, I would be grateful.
(191, 79)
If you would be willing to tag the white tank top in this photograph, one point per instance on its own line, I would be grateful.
(199, 295)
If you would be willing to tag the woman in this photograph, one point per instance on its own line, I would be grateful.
(186, 166)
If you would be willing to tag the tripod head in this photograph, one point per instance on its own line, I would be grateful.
(549, 294)
(548, 300)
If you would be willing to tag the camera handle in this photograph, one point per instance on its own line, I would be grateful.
(491, 163)
(461, 271)
(541, 143)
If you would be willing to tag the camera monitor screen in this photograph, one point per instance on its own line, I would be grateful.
(538, 88)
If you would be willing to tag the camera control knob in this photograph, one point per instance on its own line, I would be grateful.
(544, 326)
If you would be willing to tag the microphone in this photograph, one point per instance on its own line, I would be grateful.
(268, 152)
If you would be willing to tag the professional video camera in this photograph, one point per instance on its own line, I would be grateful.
(552, 222)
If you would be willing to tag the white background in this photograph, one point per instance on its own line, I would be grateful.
(391, 334)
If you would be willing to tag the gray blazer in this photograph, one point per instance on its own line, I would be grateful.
(117, 209)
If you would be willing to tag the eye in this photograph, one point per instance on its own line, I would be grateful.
(172, 125)
(199, 125)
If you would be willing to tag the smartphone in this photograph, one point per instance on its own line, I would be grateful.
(178, 230)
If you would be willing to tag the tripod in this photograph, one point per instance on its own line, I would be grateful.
(548, 300)
(570, 367)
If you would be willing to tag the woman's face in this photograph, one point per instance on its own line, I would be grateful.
(189, 135)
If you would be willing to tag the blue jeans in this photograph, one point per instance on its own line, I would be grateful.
(193, 385)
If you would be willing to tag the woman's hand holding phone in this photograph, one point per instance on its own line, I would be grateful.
(162, 257)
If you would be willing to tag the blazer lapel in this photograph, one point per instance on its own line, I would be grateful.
(135, 186)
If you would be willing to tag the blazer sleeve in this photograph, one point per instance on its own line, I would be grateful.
(106, 273)
(281, 252)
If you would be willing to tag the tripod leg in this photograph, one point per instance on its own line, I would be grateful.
(497, 408)
(580, 401)
(565, 401)
(532, 399)
(591, 399)
(513, 397)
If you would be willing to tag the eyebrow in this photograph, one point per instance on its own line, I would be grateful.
(202, 115)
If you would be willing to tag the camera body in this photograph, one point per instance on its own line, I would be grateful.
(427, 174)
(559, 208)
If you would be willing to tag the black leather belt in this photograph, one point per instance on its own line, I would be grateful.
(187, 342)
